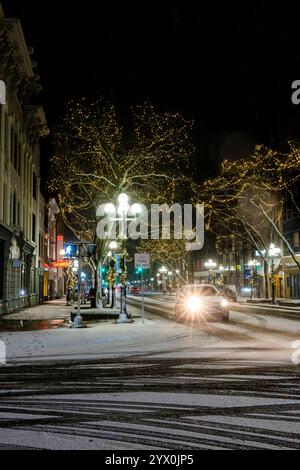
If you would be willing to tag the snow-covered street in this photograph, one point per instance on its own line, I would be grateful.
(159, 385)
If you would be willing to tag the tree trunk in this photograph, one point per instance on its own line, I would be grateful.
(113, 296)
(266, 279)
(98, 285)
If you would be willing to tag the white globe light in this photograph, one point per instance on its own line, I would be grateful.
(122, 198)
(136, 208)
(123, 207)
(113, 245)
(109, 208)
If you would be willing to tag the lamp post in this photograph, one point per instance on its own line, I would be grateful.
(210, 264)
(163, 270)
(253, 263)
(112, 246)
(170, 281)
(273, 253)
(122, 211)
(221, 280)
(141, 272)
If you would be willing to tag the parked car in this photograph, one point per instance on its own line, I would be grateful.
(201, 302)
(135, 290)
(229, 291)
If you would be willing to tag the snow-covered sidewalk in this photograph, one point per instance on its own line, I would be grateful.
(52, 310)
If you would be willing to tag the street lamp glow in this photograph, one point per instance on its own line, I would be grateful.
(136, 208)
(163, 269)
(221, 268)
(169, 273)
(109, 253)
(274, 251)
(123, 198)
(113, 245)
(177, 271)
(210, 264)
(109, 208)
(123, 207)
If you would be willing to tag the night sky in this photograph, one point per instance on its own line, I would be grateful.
(229, 65)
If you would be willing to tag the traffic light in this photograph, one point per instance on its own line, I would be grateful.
(139, 270)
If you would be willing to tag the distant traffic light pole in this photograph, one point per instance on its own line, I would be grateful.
(140, 270)
(141, 262)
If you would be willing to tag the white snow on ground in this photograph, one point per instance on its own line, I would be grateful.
(55, 441)
(174, 398)
(246, 336)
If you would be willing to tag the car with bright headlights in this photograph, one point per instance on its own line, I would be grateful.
(201, 302)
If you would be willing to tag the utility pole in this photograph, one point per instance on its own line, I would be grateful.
(143, 313)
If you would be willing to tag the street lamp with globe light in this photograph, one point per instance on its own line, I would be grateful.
(122, 210)
(273, 252)
(163, 270)
(210, 265)
(253, 263)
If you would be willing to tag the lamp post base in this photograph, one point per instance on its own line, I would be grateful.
(123, 318)
(77, 322)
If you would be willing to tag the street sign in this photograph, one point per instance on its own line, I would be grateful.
(59, 264)
(142, 260)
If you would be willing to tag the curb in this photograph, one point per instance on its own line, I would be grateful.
(156, 309)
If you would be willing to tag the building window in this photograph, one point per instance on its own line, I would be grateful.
(33, 227)
(19, 158)
(6, 138)
(16, 148)
(34, 185)
(4, 202)
(12, 144)
(14, 209)
(41, 245)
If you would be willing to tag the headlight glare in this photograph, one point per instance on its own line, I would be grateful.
(193, 303)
